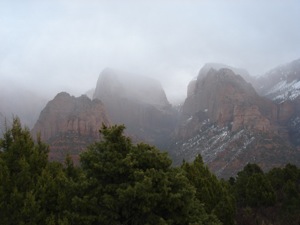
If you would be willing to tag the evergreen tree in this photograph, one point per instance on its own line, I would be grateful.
(134, 184)
(209, 190)
(286, 183)
(253, 188)
(21, 164)
(32, 190)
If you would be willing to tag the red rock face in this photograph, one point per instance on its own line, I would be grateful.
(230, 125)
(69, 124)
(251, 118)
(228, 100)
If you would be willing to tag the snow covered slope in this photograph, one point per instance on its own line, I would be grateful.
(282, 83)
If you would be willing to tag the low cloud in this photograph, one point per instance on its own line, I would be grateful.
(64, 45)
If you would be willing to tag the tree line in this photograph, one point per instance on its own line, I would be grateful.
(120, 183)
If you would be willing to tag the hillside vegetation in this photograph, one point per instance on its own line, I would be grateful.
(119, 182)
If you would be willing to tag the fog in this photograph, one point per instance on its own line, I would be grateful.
(63, 45)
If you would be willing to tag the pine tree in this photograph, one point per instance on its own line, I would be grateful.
(21, 164)
(135, 184)
(213, 193)
(253, 188)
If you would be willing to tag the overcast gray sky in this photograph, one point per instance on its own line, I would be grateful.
(63, 45)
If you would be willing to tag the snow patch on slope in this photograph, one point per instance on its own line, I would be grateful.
(212, 140)
(283, 91)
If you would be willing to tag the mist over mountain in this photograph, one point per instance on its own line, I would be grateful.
(223, 118)
(55, 46)
(90, 93)
(138, 102)
(150, 112)
(281, 83)
(15, 100)
(217, 66)
(129, 86)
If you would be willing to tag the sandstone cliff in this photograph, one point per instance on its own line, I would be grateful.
(230, 125)
(226, 99)
(223, 119)
(69, 124)
(282, 86)
(138, 102)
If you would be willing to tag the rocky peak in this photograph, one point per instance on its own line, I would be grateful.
(138, 102)
(128, 86)
(230, 125)
(69, 124)
(217, 66)
(226, 98)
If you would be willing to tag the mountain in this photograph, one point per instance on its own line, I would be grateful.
(224, 118)
(226, 98)
(281, 83)
(230, 125)
(16, 100)
(138, 102)
(90, 93)
(282, 86)
(68, 124)
(217, 66)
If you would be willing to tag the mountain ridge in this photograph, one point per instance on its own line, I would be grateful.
(224, 118)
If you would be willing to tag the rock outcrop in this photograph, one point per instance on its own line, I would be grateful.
(69, 124)
(230, 125)
(282, 86)
(138, 102)
(226, 99)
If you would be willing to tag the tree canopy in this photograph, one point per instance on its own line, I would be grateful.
(119, 182)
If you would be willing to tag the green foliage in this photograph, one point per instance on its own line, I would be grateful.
(253, 189)
(209, 190)
(286, 182)
(28, 182)
(274, 196)
(122, 183)
(21, 164)
(135, 184)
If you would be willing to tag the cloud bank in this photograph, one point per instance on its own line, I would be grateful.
(52, 46)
